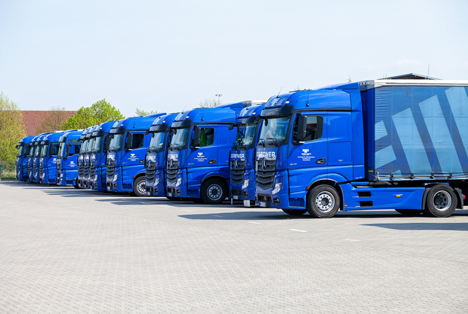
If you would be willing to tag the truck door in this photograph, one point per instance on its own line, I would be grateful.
(135, 151)
(340, 144)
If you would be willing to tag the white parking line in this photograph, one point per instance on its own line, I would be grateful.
(352, 240)
(253, 222)
(297, 230)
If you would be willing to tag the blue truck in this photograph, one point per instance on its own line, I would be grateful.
(32, 152)
(48, 158)
(67, 158)
(34, 177)
(156, 156)
(198, 157)
(125, 159)
(21, 163)
(399, 144)
(242, 156)
(85, 140)
(97, 180)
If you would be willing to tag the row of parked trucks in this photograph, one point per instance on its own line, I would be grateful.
(399, 144)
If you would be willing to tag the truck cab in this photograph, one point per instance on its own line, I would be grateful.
(85, 140)
(21, 163)
(126, 155)
(67, 158)
(198, 157)
(48, 158)
(98, 156)
(156, 157)
(242, 156)
(32, 152)
(37, 156)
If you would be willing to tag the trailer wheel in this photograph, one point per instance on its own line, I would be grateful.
(295, 212)
(323, 201)
(409, 212)
(139, 187)
(440, 202)
(214, 191)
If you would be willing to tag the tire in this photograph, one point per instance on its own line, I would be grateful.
(214, 191)
(76, 185)
(409, 212)
(323, 201)
(295, 212)
(139, 187)
(440, 202)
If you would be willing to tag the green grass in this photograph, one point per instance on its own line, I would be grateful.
(9, 176)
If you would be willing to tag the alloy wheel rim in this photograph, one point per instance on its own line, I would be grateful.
(215, 192)
(442, 200)
(325, 201)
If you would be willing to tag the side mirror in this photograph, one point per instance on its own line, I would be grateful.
(67, 151)
(196, 138)
(301, 127)
(129, 141)
(231, 126)
(106, 143)
(266, 121)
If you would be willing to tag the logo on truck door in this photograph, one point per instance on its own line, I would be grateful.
(305, 155)
(200, 157)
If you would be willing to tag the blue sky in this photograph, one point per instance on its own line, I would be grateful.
(167, 55)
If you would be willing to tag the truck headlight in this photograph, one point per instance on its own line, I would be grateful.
(246, 184)
(179, 181)
(116, 176)
(277, 188)
(156, 181)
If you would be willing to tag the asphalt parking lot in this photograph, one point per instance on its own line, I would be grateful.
(64, 250)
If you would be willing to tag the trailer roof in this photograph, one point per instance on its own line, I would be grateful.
(365, 85)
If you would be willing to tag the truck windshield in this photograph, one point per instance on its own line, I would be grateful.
(20, 151)
(179, 139)
(61, 150)
(37, 151)
(245, 135)
(90, 145)
(275, 132)
(116, 143)
(27, 149)
(84, 146)
(97, 144)
(157, 142)
(44, 150)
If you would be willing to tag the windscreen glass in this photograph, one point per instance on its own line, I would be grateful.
(245, 135)
(20, 151)
(157, 142)
(97, 144)
(44, 150)
(61, 150)
(84, 146)
(116, 143)
(274, 132)
(37, 151)
(179, 139)
(90, 145)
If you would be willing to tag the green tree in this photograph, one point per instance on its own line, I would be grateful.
(209, 103)
(142, 113)
(53, 120)
(11, 131)
(101, 111)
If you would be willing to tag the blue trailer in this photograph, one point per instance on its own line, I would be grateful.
(67, 158)
(126, 155)
(242, 156)
(48, 158)
(21, 163)
(156, 157)
(98, 167)
(399, 144)
(198, 157)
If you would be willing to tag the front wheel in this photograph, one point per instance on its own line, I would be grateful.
(139, 187)
(295, 212)
(213, 191)
(323, 201)
(440, 202)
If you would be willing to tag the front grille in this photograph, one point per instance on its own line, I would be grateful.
(172, 168)
(110, 163)
(150, 170)
(34, 170)
(86, 169)
(92, 169)
(265, 176)
(41, 169)
(237, 171)
(80, 168)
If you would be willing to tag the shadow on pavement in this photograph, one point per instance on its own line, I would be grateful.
(461, 226)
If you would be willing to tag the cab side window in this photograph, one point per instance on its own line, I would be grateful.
(314, 128)
(206, 137)
(138, 140)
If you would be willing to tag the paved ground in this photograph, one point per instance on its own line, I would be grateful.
(64, 250)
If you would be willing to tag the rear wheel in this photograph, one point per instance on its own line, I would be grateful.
(139, 187)
(409, 212)
(440, 202)
(323, 201)
(295, 212)
(213, 191)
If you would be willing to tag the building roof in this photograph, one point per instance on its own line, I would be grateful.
(410, 76)
(32, 119)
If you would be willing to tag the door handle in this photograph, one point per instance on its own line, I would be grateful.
(321, 161)
(212, 161)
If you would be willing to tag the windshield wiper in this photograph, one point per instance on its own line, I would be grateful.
(275, 142)
(261, 141)
(176, 146)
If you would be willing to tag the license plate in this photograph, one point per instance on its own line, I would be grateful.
(235, 197)
(169, 194)
(262, 204)
(246, 203)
